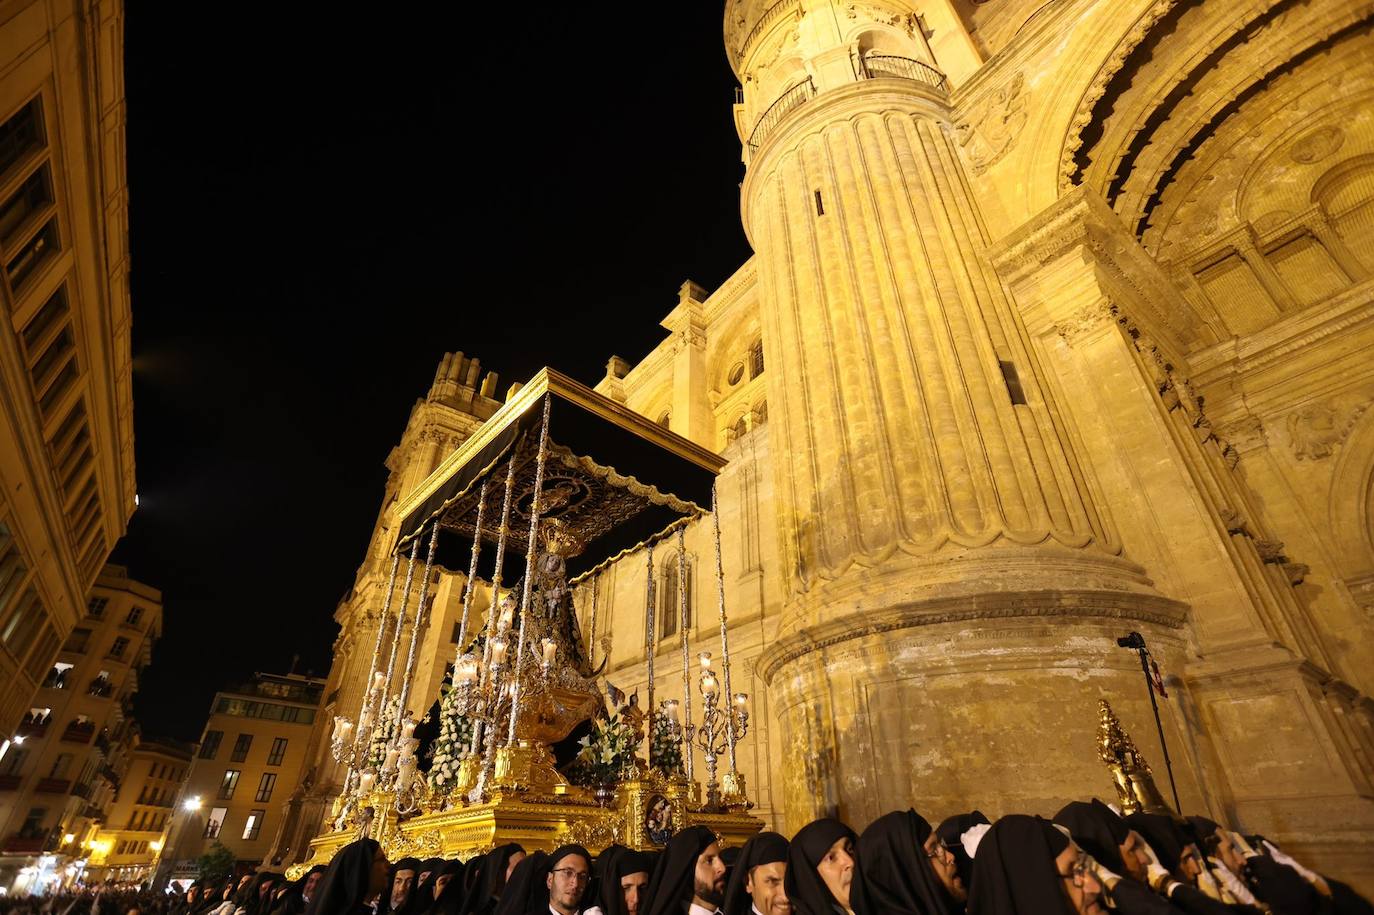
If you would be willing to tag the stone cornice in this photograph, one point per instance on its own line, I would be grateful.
(1082, 220)
(1082, 605)
(1329, 319)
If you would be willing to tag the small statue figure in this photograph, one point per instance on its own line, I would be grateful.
(633, 716)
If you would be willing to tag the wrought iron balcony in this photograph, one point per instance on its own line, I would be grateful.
(23, 845)
(890, 66)
(81, 790)
(79, 733)
(789, 100)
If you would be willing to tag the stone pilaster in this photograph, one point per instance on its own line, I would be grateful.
(1280, 742)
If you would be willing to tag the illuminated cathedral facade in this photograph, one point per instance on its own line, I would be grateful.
(1058, 327)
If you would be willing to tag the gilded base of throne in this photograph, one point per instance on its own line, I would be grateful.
(643, 814)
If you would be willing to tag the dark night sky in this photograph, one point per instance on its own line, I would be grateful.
(322, 206)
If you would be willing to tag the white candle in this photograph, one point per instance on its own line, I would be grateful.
(708, 684)
(705, 657)
(378, 679)
(498, 651)
(741, 699)
(407, 728)
(365, 781)
(671, 708)
(391, 756)
(550, 651)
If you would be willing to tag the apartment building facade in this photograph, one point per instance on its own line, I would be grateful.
(66, 413)
(67, 759)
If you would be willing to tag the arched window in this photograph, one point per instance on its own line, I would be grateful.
(756, 359)
(669, 610)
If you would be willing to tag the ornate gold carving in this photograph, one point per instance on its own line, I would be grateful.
(1316, 431)
(1131, 774)
(594, 833)
(993, 125)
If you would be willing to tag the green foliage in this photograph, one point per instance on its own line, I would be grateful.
(665, 751)
(216, 863)
(606, 753)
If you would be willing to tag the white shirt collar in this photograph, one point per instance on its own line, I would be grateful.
(694, 909)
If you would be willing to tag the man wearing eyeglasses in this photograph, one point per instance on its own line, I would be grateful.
(570, 870)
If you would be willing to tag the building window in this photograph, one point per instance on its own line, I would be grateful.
(60, 765)
(31, 256)
(254, 824)
(210, 745)
(756, 359)
(736, 373)
(228, 784)
(278, 751)
(21, 135)
(13, 760)
(33, 197)
(216, 821)
(269, 781)
(120, 645)
(241, 745)
(457, 631)
(135, 614)
(77, 641)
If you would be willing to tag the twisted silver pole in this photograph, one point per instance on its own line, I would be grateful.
(420, 608)
(486, 691)
(472, 571)
(686, 658)
(649, 643)
(730, 736)
(591, 631)
(400, 622)
(530, 553)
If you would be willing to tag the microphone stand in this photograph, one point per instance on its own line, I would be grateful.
(1136, 642)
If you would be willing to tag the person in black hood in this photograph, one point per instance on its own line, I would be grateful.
(450, 895)
(897, 869)
(355, 877)
(951, 833)
(688, 874)
(1026, 866)
(496, 867)
(756, 882)
(526, 892)
(820, 868)
(568, 877)
(401, 896)
(622, 876)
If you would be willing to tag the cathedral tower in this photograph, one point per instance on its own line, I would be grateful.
(954, 589)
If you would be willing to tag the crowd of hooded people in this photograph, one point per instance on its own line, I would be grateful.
(1086, 860)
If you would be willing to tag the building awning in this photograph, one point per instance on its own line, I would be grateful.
(614, 478)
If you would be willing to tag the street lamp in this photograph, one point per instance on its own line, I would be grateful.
(192, 803)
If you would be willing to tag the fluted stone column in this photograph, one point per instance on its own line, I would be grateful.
(954, 589)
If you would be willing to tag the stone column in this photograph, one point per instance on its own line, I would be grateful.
(953, 588)
(690, 413)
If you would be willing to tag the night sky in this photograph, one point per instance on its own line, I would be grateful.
(321, 206)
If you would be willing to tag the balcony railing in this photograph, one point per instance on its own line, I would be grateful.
(81, 790)
(23, 845)
(29, 728)
(53, 785)
(79, 733)
(770, 16)
(786, 102)
(877, 66)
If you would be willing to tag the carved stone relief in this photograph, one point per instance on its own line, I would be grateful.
(1317, 430)
(993, 125)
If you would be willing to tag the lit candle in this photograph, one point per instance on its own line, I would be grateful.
(550, 651)
(365, 781)
(741, 699)
(708, 684)
(407, 728)
(390, 762)
(705, 657)
(467, 670)
(498, 651)
(378, 679)
(507, 614)
(671, 708)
